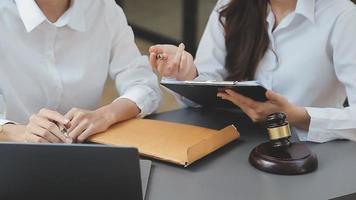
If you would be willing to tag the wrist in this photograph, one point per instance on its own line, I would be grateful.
(13, 133)
(298, 117)
(107, 113)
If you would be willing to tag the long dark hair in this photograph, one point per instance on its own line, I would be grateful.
(246, 37)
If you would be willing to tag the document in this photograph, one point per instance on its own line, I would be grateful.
(171, 142)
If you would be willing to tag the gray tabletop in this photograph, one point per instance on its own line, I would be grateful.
(227, 174)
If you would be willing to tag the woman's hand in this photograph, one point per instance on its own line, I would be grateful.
(44, 127)
(85, 123)
(173, 62)
(258, 111)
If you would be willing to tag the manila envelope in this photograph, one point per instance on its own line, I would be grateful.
(166, 141)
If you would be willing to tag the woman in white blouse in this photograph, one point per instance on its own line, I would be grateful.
(55, 57)
(303, 51)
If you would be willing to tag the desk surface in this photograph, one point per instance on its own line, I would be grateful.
(227, 174)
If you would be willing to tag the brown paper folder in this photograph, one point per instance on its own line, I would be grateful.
(176, 143)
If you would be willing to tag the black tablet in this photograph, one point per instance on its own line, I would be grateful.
(205, 93)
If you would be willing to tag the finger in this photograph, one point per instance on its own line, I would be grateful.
(243, 107)
(153, 60)
(179, 53)
(43, 133)
(184, 68)
(78, 117)
(82, 126)
(152, 49)
(31, 138)
(70, 114)
(163, 67)
(54, 116)
(273, 96)
(156, 48)
(87, 133)
(241, 99)
(177, 58)
(183, 64)
(170, 71)
(50, 126)
(246, 109)
(228, 97)
(73, 115)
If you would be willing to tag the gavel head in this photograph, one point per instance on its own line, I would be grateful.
(278, 129)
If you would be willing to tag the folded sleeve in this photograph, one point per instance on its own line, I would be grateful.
(131, 71)
(329, 124)
(3, 120)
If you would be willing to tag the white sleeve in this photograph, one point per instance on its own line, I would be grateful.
(210, 57)
(3, 120)
(131, 71)
(330, 124)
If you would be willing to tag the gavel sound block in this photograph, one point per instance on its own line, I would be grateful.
(280, 155)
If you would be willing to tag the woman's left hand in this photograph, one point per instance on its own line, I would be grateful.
(85, 123)
(258, 111)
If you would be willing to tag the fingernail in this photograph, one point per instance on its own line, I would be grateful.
(66, 121)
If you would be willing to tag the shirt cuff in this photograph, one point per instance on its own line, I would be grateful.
(146, 99)
(4, 121)
(317, 129)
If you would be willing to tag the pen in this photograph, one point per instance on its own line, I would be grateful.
(160, 56)
(63, 130)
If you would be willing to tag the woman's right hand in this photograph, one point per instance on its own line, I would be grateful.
(44, 127)
(173, 62)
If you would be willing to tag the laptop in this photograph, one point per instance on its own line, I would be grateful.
(51, 171)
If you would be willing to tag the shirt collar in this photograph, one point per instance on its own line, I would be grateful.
(76, 16)
(306, 8)
(32, 15)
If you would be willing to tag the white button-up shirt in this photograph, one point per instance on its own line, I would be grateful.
(65, 64)
(311, 61)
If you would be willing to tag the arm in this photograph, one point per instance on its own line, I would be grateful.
(134, 78)
(258, 111)
(330, 123)
(8, 130)
(210, 59)
(12, 133)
